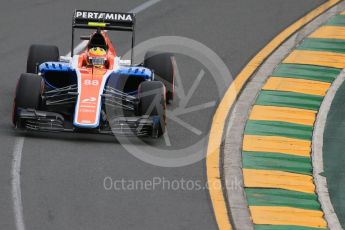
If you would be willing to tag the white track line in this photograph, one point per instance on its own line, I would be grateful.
(79, 48)
(16, 191)
(19, 143)
(143, 6)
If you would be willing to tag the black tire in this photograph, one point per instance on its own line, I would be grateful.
(163, 65)
(28, 93)
(152, 103)
(39, 54)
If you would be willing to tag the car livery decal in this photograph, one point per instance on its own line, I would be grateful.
(91, 83)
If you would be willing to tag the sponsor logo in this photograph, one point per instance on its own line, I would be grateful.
(87, 106)
(104, 16)
(89, 100)
(87, 110)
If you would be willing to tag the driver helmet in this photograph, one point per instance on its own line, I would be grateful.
(96, 56)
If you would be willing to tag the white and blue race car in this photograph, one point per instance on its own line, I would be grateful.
(94, 90)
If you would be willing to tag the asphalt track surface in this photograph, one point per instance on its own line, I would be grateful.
(62, 174)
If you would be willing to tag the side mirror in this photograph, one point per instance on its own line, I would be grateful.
(65, 59)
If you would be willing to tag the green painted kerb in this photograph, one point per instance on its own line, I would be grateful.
(289, 99)
(338, 20)
(282, 198)
(308, 72)
(324, 45)
(283, 227)
(276, 128)
(275, 197)
(277, 161)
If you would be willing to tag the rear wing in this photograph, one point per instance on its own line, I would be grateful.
(104, 20)
(87, 19)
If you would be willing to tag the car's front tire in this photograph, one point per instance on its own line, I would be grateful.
(152, 103)
(163, 65)
(39, 54)
(28, 94)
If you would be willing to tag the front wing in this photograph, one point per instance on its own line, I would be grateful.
(35, 120)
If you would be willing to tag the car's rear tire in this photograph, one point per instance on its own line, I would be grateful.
(152, 103)
(39, 54)
(28, 94)
(163, 65)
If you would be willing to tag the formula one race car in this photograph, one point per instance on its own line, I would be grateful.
(94, 90)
